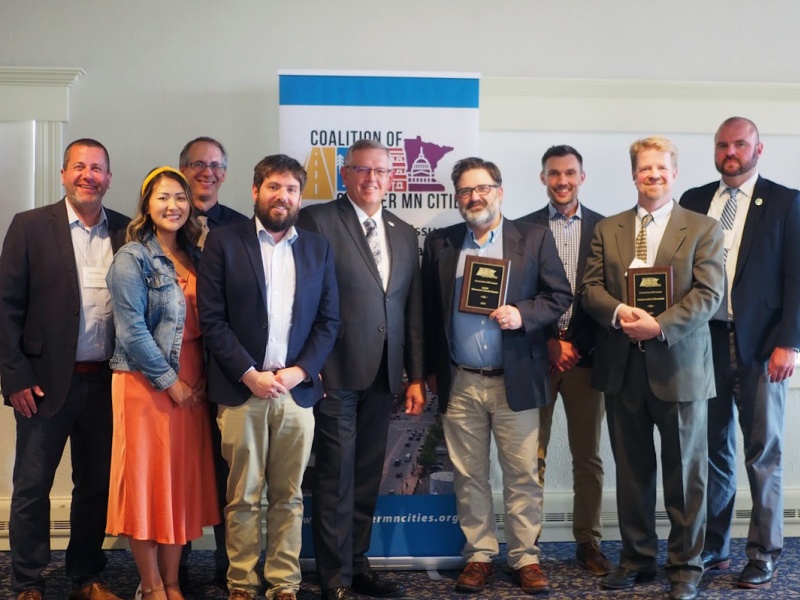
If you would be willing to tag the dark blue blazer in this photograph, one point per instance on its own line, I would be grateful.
(537, 286)
(581, 327)
(232, 304)
(766, 287)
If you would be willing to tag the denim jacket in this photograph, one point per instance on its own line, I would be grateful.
(149, 311)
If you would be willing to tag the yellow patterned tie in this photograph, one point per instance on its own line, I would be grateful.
(641, 239)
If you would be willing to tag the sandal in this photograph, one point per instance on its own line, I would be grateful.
(147, 592)
(175, 585)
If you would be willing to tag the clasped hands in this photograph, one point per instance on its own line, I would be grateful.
(637, 324)
(271, 385)
(186, 396)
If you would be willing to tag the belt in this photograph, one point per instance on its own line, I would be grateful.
(717, 324)
(86, 367)
(483, 372)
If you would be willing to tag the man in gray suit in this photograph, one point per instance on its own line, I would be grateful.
(377, 266)
(656, 370)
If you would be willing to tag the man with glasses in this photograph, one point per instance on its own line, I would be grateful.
(377, 267)
(491, 370)
(204, 162)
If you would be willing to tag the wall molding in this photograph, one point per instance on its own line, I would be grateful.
(40, 94)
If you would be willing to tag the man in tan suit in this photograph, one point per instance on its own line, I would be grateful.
(656, 371)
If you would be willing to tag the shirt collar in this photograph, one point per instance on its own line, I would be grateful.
(746, 188)
(289, 238)
(72, 216)
(362, 216)
(554, 214)
(659, 215)
(494, 235)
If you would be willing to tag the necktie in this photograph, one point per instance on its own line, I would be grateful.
(729, 212)
(726, 220)
(374, 243)
(201, 241)
(641, 239)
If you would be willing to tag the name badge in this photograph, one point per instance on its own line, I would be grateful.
(95, 277)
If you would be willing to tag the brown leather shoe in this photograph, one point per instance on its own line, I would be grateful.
(475, 576)
(285, 596)
(30, 595)
(532, 580)
(96, 590)
(591, 557)
(239, 594)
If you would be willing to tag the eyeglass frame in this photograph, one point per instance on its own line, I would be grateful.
(466, 192)
(379, 171)
(215, 167)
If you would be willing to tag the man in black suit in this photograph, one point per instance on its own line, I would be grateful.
(204, 163)
(755, 337)
(269, 312)
(570, 347)
(56, 336)
(377, 268)
(491, 370)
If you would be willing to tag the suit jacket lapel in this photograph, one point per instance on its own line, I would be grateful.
(448, 262)
(252, 246)
(754, 213)
(674, 235)
(626, 243)
(512, 250)
(63, 238)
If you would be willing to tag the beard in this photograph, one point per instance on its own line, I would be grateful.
(742, 167)
(276, 224)
(479, 218)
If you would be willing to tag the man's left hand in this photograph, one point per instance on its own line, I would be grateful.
(644, 327)
(507, 317)
(781, 364)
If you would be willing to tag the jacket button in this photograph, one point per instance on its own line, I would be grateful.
(381, 328)
(263, 325)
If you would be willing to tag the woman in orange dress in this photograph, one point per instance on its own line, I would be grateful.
(162, 489)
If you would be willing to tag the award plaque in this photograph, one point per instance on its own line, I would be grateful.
(484, 287)
(650, 288)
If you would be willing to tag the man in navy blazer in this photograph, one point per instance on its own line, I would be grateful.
(755, 337)
(56, 336)
(377, 267)
(269, 312)
(491, 370)
(570, 347)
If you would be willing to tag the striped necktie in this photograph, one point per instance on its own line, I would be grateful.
(729, 213)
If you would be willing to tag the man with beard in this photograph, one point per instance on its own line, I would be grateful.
(269, 312)
(491, 370)
(570, 347)
(56, 337)
(755, 339)
(655, 369)
(377, 267)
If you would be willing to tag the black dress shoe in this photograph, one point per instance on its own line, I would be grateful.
(340, 593)
(756, 574)
(682, 590)
(712, 560)
(622, 578)
(370, 584)
(221, 578)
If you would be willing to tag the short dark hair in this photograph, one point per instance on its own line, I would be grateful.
(278, 163)
(473, 162)
(183, 161)
(562, 150)
(87, 143)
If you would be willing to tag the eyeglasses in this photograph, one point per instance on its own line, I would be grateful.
(482, 190)
(215, 167)
(379, 172)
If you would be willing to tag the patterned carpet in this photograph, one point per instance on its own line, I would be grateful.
(568, 581)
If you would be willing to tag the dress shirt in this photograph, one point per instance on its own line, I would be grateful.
(476, 340)
(383, 268)
(93, 257)
(733, 238)
(279, 274)
(567, 232)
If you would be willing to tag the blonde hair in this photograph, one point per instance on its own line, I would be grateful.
(654, 142)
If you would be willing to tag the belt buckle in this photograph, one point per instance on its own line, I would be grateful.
(562, 334)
